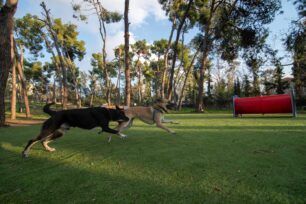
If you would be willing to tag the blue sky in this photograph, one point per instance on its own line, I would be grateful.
(148, 21)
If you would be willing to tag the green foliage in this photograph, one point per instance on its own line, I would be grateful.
(296, 43)
(141, 48)
(159, 47)
(277, 81)
(67, 35)
(237, 87)
(235, 24)
(99, 68)
(29, 31)
(111, 17)
(97, 64)
(246, 86)
(96, 6)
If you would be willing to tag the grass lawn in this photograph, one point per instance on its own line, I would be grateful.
(212, 159)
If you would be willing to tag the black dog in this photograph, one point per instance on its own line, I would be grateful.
(86, 118)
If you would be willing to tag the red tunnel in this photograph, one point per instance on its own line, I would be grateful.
(283, 103)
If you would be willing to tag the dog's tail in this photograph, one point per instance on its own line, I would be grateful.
(47, 109)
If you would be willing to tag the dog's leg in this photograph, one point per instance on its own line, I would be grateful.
(160, 125)
(58, 133)
(121, 126)
(45, 144)
(42, 135)
(106, 128)
(26, 150)
(169, 121)
(163, 120)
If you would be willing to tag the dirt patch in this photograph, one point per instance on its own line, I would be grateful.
(23, 122)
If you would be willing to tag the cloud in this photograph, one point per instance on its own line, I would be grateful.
(139, 12)
(114, 41)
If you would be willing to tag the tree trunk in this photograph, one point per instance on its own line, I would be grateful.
(162, 88)
(206, 43)
(256, 89)
(7, 50)
(139, 85)
(57, 67)
(72, 68)
(20, 109)
(59, 53)
(186, 77)
(126, 55)
(199, 103)
(178, 33)
(24, 91)
(14, 90)
(54, 91)
(91, 99)
(118, 80)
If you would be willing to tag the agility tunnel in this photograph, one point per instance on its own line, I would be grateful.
(282, 103)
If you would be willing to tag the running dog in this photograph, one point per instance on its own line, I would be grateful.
(150, 115)
(87, 118)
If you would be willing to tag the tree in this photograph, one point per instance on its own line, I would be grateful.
(37, 75)
(31, 34)
(296, 44)
(104, 17)
(228, 26)
(92, 86)
(178, 33)
(49, 23)
(120, 60)
(72, 48)
(7, 12)
(127, 99)
(188, 69)
(140, 50)
(159, 48)
(171, 8)
(19, 62)
(278, 83)
(246, 86)
(14, 90)
(254, 63)
(237, 87)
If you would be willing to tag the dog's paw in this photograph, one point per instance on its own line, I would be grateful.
(109, 139)
(123, 136)
(24, 155)
(51, 149)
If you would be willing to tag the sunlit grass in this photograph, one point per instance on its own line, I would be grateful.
(214, 158)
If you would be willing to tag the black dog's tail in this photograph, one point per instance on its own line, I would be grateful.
(47, 109)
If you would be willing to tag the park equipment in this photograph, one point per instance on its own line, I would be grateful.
(281, 103)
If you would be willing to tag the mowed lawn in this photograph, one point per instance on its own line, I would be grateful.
(213, 158)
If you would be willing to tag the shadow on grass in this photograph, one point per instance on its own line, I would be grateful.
(43, 179)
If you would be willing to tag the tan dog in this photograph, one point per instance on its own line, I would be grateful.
(150, 115)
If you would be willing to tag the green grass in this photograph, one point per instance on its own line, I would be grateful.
(212, 159)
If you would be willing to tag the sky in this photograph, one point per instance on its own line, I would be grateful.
(147, 21)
